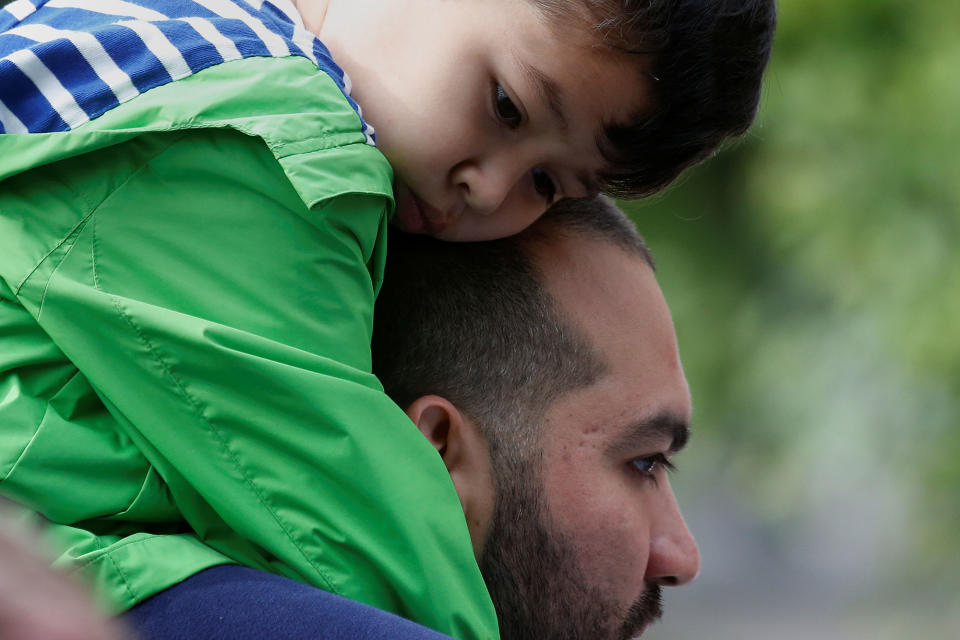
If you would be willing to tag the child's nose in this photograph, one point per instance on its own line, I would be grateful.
(486, 183)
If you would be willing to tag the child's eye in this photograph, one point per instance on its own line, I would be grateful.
(506, 110)
(544, 185)
(648, 465)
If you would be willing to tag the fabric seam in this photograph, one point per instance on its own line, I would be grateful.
(194, 404)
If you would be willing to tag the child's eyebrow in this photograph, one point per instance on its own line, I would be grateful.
(548, 89)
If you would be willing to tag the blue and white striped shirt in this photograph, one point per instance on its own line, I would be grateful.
(65, 62)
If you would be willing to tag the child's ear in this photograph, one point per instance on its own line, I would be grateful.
(465, 454)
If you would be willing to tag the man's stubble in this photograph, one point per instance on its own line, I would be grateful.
(533, 576)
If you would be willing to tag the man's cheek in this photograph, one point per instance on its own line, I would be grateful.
(612, 543)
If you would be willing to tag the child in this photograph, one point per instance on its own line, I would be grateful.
(193, 234)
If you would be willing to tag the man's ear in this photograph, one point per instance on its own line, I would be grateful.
(466, 456)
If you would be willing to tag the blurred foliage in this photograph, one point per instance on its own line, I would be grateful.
(813, 273)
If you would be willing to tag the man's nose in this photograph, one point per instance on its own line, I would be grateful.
(485, 183)
(674, 559)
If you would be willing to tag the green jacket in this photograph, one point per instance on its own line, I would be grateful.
(186, 295)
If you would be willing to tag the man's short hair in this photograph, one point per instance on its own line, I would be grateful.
(474, 323)
(702, 62)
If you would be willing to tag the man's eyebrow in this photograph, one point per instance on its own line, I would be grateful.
(642, 433)
(548, 89)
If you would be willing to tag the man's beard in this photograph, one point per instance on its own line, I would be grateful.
(532, 574)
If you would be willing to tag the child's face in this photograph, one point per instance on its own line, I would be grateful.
(485, 111)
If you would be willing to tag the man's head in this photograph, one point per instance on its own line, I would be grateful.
(490, 111)
(544, 369)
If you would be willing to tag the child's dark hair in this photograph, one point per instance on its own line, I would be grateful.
(703, 63)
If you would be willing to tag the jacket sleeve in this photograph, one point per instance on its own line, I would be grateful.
(227, 327)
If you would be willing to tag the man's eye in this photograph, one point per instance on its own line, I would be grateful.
(648, 466)
(544, 185)
(507, 112)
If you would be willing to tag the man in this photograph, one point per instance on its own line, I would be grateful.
(544, 369)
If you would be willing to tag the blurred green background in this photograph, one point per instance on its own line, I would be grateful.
(814, 278)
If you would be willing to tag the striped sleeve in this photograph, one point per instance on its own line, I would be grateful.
(65, 62)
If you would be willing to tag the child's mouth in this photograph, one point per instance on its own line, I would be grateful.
(415, 216)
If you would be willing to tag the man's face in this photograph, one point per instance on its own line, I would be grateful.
(485, 111)
(584, 534)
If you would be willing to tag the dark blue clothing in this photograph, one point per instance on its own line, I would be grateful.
(230, 602)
